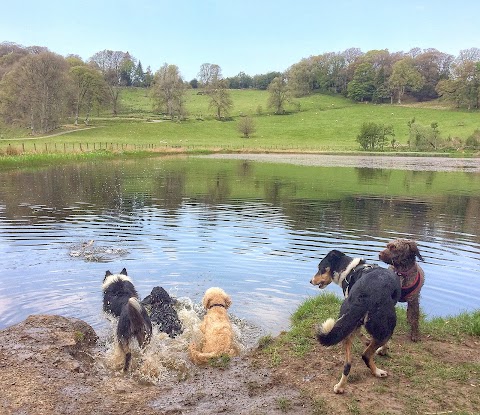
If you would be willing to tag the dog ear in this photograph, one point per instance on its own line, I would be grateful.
(228, 301)
(206, 301)
(107, 274)
(414, 249)
(335, 255)
(124, 271)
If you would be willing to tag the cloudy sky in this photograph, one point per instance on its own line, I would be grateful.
(255, 37)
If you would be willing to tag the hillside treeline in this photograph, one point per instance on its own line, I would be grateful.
(39, 89)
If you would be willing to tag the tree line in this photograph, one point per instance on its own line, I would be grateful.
(39, 89)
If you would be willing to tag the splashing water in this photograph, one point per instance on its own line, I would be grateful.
(166, 358)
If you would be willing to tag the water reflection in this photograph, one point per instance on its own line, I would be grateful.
(256, 229)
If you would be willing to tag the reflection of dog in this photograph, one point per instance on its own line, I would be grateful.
(216, 328)
(370, 293)
(162, 311)
(401, 254)
(120, 299)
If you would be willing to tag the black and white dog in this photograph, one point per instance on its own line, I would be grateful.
(120, 299)
(162, 311)
(371, 293)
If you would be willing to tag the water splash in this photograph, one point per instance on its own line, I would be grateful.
(165, 358)
(88, 252)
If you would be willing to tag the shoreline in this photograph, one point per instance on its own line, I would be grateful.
(420, 163)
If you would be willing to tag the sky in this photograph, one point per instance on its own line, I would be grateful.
(251, 36)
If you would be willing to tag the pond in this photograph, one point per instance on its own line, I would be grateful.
(257, 229)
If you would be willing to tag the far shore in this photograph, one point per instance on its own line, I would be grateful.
(362, 161)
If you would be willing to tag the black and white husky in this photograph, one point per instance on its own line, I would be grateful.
(120, 299)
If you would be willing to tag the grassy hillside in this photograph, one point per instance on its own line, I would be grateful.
(315, 123)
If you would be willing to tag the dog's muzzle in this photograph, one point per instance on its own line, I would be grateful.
(321, 285)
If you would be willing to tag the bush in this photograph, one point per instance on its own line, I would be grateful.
(246, 126)
(375, 136)
(473, 141)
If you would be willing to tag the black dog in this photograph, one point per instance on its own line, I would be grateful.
(371, 293)
(120, 299)
(162, 312)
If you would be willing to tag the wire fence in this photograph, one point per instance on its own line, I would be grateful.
(78, 147)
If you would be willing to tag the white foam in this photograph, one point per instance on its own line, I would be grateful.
(165, 358)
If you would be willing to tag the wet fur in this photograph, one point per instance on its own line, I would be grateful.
(216, 328)
(162, 311)
(120, 300)
(401, 254)
(370, 298)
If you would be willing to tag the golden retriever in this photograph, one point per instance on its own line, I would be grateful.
(216, 328)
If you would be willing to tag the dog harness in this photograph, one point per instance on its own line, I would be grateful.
(353, 276)
(411, 290)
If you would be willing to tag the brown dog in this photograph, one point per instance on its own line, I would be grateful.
(401, 254)
(218, 338)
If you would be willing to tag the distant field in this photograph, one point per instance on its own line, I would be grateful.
(318, 123)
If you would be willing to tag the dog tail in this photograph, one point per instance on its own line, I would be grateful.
(198, 357)
(332, 332)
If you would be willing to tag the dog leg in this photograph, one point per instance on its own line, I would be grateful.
(340, 386)
(128, 358)
(368, 355)
(413, 316)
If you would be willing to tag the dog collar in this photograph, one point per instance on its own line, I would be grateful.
(217, 305)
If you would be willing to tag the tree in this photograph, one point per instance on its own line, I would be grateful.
(216, 88)
(209, 72)
(240, 81)
(194, 83)
(405, 76)
(138, 78)
(148, 77)
(434, 66)
(362, 87)
(220, 98)
(463, 87)
(246, 126)
(10, 54)
(127, 70)
(301, 78)
(262, 81)
(169, 91)
(110, 63)
(88, 88)
(279, 95)
(35, 92)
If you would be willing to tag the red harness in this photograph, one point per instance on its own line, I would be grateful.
(411, 289)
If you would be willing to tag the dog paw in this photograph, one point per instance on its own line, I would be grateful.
(338, 389)
(415, 337)
(379, 373)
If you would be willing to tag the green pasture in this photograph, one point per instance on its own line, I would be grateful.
(313, 123)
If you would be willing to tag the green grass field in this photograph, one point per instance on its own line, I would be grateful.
(316, 123)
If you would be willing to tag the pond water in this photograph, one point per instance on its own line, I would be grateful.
(256, 229)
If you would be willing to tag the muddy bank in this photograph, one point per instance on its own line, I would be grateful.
(374, 162)
(56, 365)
